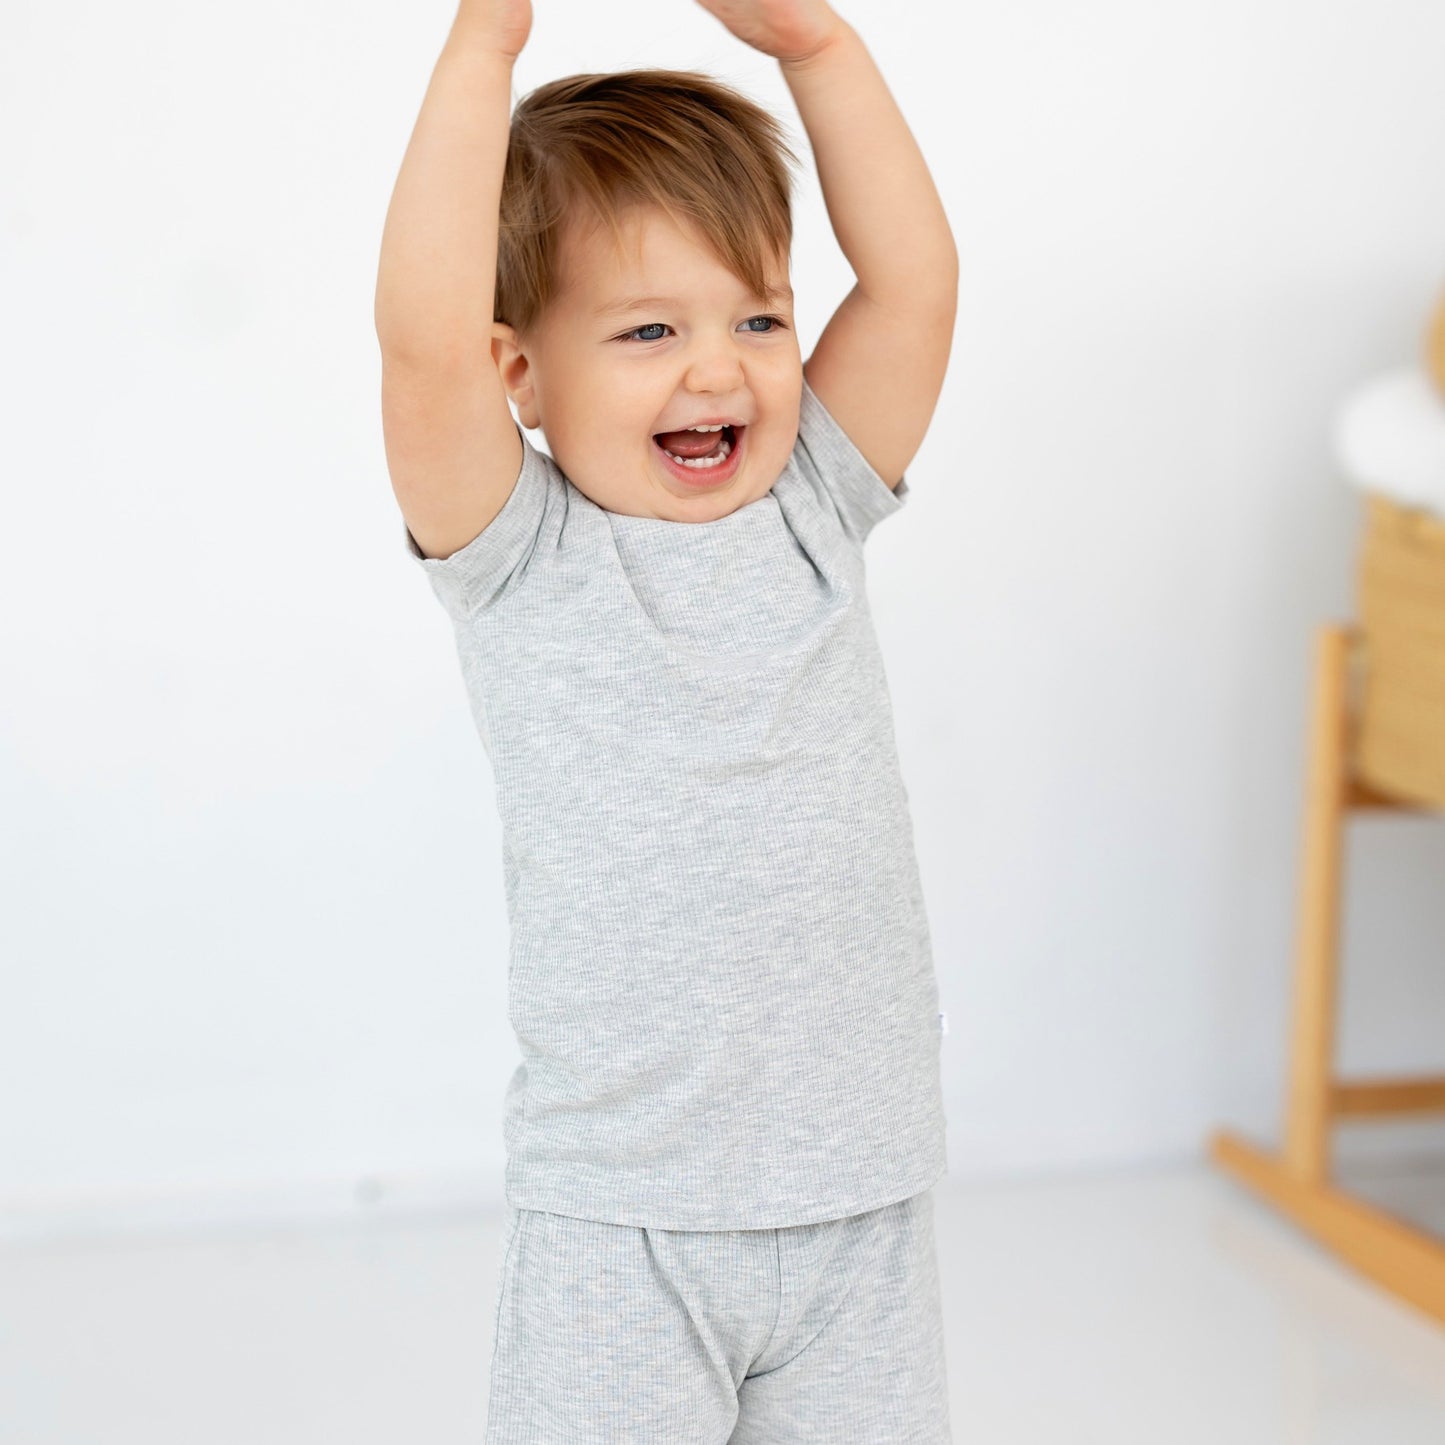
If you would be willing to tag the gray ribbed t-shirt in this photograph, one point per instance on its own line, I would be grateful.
(720, 970)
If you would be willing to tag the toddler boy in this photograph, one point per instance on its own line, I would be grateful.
(723, 1135)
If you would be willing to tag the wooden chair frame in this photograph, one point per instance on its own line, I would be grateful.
(1408, 1262)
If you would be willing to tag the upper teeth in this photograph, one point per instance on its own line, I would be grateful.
(718, 427)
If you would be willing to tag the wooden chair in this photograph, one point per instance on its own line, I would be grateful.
(1298, 1180)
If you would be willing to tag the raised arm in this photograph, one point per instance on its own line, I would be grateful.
(452, 447)
(880, 362)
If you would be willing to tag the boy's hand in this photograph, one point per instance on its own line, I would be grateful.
(788, 30)
(498, 24)
(878, 366)
(452, 447)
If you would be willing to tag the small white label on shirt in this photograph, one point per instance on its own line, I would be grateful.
(943, 1022)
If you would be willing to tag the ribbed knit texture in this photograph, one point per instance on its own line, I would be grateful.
(720, 971)
(617, 1335)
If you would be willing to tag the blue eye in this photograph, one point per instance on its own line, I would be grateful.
(769, 323)
(641, 332)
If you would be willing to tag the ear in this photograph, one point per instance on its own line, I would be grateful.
(515, 369)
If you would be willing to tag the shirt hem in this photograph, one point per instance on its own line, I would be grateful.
(546, 1198)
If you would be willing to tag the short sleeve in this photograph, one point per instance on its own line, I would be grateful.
(839, 473)
(499, 558)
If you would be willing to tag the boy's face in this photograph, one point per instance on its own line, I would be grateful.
(644, 341)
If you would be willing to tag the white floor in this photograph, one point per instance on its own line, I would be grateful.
(1162, 1308)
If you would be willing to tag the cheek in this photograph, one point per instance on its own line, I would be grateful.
(632, 406)
(781, 373)
(596, 410)
(771, 446)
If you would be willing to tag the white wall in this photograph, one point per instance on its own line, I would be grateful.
(252, 920)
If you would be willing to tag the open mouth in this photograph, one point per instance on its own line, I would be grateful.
(701, 454)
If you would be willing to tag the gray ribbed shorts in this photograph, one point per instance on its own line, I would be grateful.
(615, 1334)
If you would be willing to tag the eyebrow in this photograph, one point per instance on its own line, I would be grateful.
(645, 303)
(635, 303)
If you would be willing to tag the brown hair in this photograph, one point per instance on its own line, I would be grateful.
(675, 139)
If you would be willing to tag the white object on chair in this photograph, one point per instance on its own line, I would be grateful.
(1389, 437)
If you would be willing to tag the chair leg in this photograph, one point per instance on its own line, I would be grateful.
(1407, 1261)
(1308, 1117)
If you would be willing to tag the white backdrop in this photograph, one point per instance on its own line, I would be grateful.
(252, 923)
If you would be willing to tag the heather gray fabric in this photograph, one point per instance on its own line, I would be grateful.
(612, 1334)
(720, 972)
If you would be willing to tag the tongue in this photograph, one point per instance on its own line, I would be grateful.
(690, 443)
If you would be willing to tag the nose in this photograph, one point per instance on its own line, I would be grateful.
(714, 366)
